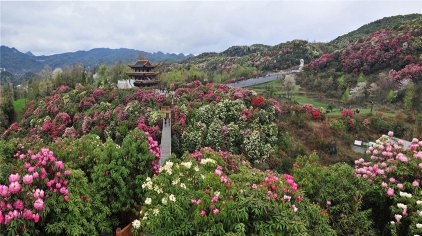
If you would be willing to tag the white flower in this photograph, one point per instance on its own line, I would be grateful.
(392, 222)
(182, 185)
(158, 189)
(164, 201)
(404, 194)
(207, 160)
(419, 202)
(419, 226)
(172, 198)
(186, 164)
(155, 211)
(419, 213)
(148, 201)
(176, 181)
(202, 176)
(136, 224)
(217, 193)
(294, 208)
(401, 205)
(196, 168)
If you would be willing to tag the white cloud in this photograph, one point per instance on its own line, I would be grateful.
(188, 27)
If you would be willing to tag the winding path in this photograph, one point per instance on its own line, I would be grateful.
(258, 80)
(165, 145)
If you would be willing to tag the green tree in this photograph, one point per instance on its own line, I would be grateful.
(409, 95)
(390, 96)
(361, 78)
(345, 96)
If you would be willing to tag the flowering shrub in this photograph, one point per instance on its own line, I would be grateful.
(320, 63)
(218, 192)
(338, 192)
(24, 198)
(397, 172)
(347, 113)
(229, 123)
(409, 72)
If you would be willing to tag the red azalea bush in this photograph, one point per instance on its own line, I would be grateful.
(347, 113)
(257, 101)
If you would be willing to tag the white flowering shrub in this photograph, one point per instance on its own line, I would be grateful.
(216, 193)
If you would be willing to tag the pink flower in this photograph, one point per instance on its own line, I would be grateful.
(14, 187)
(36, 218)
(199, 202)
(328, 202)
(390, 192)
(401, 157)
(223, 179)
(400, 186)
(18, 204)
(415, 183)
(27, 179)
(390, 133)
(1, 218)
(4, 190)
(286, 197)
(404, 212)
(63, 190)
(193, 201)
(27, 214)
(58, 185)
(214, 199)
(39, 204)
(67, 172)
(299, 198)
(218, 172)
(216, 211)
(383, 184)
(66, 198)
(398, 217)
(392, 180)
(203, 213)
(14, 178)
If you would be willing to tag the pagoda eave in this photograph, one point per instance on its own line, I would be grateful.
(142, 73)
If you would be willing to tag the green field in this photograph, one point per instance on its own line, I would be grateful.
(303, 97)
(19, 106)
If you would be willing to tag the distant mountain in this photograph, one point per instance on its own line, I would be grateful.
(17, 62)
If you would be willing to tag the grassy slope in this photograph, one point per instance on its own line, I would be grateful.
(19, 106)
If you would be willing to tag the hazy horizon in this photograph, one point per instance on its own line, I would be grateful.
(47, 28)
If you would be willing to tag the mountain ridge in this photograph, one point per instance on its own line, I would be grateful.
(17, 62)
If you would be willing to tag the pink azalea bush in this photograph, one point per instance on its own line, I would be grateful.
(409, 72)
(24, 195)
(396, 170)
(384, 48)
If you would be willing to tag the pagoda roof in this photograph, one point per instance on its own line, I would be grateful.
(151, 73)
(142, 63)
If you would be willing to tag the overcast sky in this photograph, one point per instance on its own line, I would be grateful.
(183, 27)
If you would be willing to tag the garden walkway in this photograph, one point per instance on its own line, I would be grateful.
(165, 146)
(258, 80)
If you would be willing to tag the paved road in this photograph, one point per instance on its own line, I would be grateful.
(258, 80)
(165, 143)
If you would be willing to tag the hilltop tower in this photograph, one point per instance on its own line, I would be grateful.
(142, 73)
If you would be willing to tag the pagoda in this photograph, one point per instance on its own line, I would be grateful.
(142, 73)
